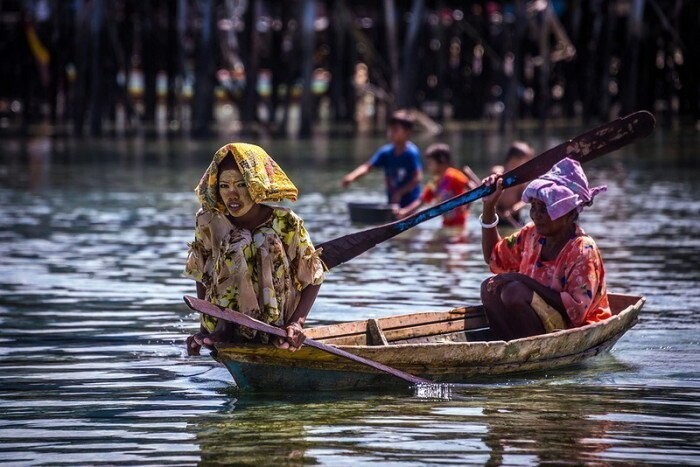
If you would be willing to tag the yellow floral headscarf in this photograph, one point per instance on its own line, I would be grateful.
(265, 180)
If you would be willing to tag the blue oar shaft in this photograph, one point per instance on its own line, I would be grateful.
(444, 207)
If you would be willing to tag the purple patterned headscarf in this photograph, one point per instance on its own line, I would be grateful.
(562, 189)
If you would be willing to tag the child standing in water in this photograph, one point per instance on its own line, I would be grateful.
(400, 160)
(447, 182)
(250, 256)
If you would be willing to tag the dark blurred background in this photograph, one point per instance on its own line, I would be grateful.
(288, 68)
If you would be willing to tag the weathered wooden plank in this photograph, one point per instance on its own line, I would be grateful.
(478, 321)
(337, 330)
(352, 339)
(424, 330)
(400, 321)
(459, 336)
(437, 328)
(354, 333)
(375, 335)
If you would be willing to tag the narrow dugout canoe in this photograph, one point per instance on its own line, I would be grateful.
(371, 213)
(445, 346)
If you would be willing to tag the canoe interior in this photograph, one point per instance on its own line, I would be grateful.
(371, 213)
(465, 324)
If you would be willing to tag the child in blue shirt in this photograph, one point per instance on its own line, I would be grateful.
(400, 160)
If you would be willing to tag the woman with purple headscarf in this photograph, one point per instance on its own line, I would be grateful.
(549, 274)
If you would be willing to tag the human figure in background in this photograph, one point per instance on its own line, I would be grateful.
(446, 182)
(510, 205)
(400, 160)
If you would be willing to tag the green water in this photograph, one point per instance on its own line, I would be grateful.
(92, 365)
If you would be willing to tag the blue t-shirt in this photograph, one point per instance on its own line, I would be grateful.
(399, 170)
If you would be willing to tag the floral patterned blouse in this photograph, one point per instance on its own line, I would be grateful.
(259, 273)
(577, 273)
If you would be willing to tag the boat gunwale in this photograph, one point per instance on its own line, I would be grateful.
(556, 334)
(491, 369)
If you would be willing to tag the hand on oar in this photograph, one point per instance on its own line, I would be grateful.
(294, 338)
(239, 318)
(583, 148)
(495, 181)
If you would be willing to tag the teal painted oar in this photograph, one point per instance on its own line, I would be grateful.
(207, 308)
(583, 148)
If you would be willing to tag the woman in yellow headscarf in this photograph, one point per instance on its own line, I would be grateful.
(250, 256)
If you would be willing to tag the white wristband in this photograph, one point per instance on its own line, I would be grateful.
(488, 226)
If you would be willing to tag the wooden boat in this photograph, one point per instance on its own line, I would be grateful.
(371, 213)
(447, 346)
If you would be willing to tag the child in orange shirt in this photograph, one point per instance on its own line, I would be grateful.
(447, 183)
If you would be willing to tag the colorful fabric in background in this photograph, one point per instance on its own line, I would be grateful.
(265, 180)
(562, 189)
(577, 273)
(452, 183)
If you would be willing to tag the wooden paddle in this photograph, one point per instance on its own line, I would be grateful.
(207, 308)
(473, 177)
(583, 148)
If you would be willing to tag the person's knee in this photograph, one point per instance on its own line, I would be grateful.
(485, 292)
(515, 294)
(489, 288)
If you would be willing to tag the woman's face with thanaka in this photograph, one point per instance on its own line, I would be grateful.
(545, 225)
(234, 193)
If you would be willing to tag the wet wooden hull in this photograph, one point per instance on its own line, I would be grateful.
(440, 346)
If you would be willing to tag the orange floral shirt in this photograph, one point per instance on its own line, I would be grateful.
(577, 273)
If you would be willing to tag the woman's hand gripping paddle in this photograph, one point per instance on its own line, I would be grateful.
(583, 148)
(239, 318)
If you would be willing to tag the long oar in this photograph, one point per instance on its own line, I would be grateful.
(583, 148)
(237, 317)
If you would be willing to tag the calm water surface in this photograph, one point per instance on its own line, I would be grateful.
(92, 366)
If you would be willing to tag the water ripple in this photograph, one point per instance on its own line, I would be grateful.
(92, 325)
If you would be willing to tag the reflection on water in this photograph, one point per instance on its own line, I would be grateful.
(527, 423)
(92, 240)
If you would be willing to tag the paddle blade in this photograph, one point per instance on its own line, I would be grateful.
(342, 249)
(608, 138)
(585, 147)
